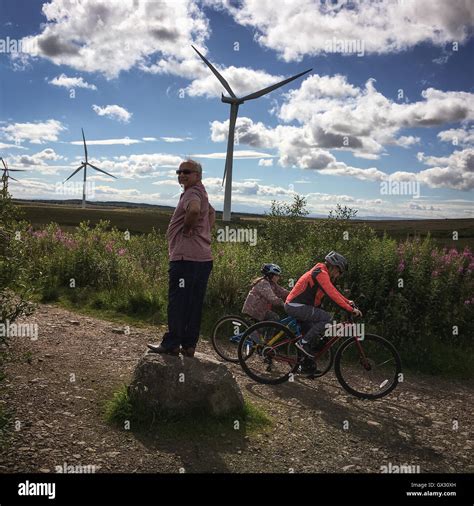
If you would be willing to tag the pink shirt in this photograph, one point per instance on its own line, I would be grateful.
(196, 247)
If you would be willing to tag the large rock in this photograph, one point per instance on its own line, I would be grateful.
(184, 386)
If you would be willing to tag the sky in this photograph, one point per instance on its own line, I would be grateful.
(383, 123)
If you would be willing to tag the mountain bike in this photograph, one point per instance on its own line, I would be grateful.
(366, 365)
(228, 331)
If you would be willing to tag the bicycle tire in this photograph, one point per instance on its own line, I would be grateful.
(214, 338)
(328, 366)
(363, 395)
(242, 359)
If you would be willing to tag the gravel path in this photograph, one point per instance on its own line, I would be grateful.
(56, 387)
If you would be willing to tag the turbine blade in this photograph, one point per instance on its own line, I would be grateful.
(75, 172)
(10, 177)
(217, 74)
(4, 164)
(100, 170)
(16, 170)
(274, 86)
(84, 139)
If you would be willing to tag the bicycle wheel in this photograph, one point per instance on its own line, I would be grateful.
(226, 335)
(267, 352)
(324, 362)
(368, 368)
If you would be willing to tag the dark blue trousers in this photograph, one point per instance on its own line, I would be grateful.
(186, 291)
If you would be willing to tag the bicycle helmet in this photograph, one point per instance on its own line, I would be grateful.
(338, 260)
(271, 269)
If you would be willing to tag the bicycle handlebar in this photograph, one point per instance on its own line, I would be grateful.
(350, 316)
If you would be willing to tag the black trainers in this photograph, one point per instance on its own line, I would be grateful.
(310, 368)
(164, 351)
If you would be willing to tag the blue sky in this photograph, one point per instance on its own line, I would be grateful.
(389, 102)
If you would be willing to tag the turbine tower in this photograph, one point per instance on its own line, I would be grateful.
(6, 174)
(84, 166)
(234, 102)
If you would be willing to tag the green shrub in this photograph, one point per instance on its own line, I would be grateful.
(129, 275)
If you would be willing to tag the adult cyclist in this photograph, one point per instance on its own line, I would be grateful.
(304, 300)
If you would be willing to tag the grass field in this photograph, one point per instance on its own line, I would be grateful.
(144, 219)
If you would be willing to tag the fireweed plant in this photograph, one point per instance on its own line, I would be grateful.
(414, 293)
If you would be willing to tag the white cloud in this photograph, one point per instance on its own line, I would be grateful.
(38, 159)
(8, 146)
(125, 141)
(248, 188)
(414, 205)
(242, 81)
(175, 139)
(97, 177)
(140, 165)
(149, 139)
(342, 169)
(439, 107)
(31, 186)
(246, 132)
(334, 115)
(362, 119)
(458, 136)
(237, 154)
(111, 37)
(171, 182)
(114, 112)
(455, 171)
(304, 27)
(71, 82)
(407, 141)
(36, 133)
(123, 193)
(294, 147)
(265, 162)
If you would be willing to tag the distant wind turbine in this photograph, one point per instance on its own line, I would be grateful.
(234, 102)
(6, 175)
(84, 166)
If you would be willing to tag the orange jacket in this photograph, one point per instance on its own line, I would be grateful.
(313, 285)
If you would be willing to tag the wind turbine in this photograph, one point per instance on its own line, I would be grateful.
(234, 102)
(84, 166)
(6, 175)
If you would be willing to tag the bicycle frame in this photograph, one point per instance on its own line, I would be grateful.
(292, 321)
(336, 338)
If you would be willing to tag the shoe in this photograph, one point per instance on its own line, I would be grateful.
(188, 352)
(163, 351)
(310, 368)
(305, 348)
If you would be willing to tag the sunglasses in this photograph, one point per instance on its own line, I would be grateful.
(185, 171)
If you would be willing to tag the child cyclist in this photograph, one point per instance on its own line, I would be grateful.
(265, 293)
(304, 300)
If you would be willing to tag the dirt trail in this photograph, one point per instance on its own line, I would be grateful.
(57, 384)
